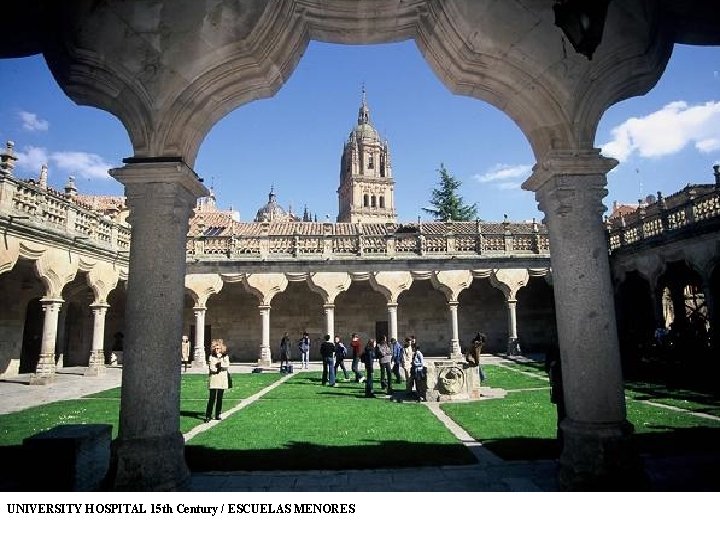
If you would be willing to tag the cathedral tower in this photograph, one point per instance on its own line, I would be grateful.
(366, 192)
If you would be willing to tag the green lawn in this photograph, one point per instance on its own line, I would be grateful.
(103, 407)
(303, 425)
(509, 379)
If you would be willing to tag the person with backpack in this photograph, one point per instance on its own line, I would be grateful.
(368, 358)
(340, 354)
(356, 352)
(419, 374)
(304, 347)
(327, 351)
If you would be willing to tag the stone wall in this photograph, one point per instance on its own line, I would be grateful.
(536, 316)
(483, 309)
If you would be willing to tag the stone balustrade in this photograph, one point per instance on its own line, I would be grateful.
(693, 205)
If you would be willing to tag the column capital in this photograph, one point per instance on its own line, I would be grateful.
(453, 303)
(199, 309)
(392, 305)
(51, 302)
(329, 305)
(559, 163)
(264, 307)
(172, 171)
(99, 306)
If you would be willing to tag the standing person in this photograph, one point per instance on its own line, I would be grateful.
(185, 351)
(385, 365)
(356, 345)
(340, 354)
(397, 354)
(218, 363)
(473, 357)
(481, 339)
(285, 352)
(406, 366)
(419, 374)
(327, 351)
(304, 346)
(368, 358)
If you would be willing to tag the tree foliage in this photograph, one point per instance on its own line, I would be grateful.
(446, 204)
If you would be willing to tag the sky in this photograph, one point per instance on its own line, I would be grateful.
(294, 140)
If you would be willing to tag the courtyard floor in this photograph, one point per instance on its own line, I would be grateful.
(514, 452)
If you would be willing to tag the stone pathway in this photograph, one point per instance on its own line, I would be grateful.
(677, 409)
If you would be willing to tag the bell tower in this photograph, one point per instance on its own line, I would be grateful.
(366, 192)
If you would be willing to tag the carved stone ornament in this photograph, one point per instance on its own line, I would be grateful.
(451, 380)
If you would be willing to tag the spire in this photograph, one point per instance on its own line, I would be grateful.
(43, 176)
(271, 195)
(364, 110)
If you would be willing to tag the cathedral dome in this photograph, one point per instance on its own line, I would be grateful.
(365, 131)
(272, 211)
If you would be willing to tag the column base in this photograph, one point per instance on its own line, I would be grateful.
(95, 370)
(265, 359)
(599, 457)
(42, 378)
(152, 464)
(264, 362)
(199, 364)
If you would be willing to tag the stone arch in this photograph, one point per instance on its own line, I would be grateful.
(75, 324)
(232, 314)
(115, 321)
(244, 52)
(423, 313)
(359, 309)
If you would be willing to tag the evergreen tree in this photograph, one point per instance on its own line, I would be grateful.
(446, 204)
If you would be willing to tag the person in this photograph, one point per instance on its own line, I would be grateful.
(473, 357)
(327, 352)
(304, 346)
(419, 373)
(356, 346)
(385, 356)
(407, 353)
(368, 358)
(340, 354)
(481, 339)
(397, 353)
(285, 352)
(218, 364)
(185, 351)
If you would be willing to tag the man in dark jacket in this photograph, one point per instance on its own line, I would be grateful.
(368, 358)
(327, 351)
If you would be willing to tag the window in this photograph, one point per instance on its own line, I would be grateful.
(371, 162)
(365, 201)
(372, 201)
(382, 202)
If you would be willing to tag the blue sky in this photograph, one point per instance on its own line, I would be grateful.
(294, 140)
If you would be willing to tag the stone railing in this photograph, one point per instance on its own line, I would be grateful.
(44, 212)
(265, 241)
(695, 204)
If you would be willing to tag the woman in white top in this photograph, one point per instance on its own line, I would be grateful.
(219, 363)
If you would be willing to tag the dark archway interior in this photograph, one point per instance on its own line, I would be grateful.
(536, 326)
(635, 315)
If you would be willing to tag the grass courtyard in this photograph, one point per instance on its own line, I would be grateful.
(303, 425)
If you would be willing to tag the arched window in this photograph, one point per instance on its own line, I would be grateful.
(382, 165)
(371, 162)
(382, 202)
(372, 201)
(366, 201)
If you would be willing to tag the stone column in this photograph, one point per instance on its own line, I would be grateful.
(455, 351)
(150, 447)
(45, 370)
(596, 452)
(513, 345)
(96, 365)
(392, 308)
(199, 354)
(329, 319)
(265, 351)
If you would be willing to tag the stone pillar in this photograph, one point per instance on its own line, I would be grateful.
(96, 365)
(596, 435)
(455, 351)
(199, 354)
(150, 448)
(392, 308)
(513, 344)
(45, 370)
(329, 319)
(265, 352)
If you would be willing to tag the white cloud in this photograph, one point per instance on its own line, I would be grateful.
(30, 122)
(508, 185)
(503, 171)
(79, 164)
(667, 131)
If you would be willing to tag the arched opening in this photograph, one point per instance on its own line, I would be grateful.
(232, 315)
(536, 327)
(423, 312)
(361, 310)
(635, 320)
(21, 320)
(75, 325)
(482, 308)
(295, 310)
(115, 323)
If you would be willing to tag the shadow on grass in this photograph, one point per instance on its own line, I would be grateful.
(299, 456)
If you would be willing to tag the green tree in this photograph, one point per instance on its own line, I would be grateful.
(446, 204)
